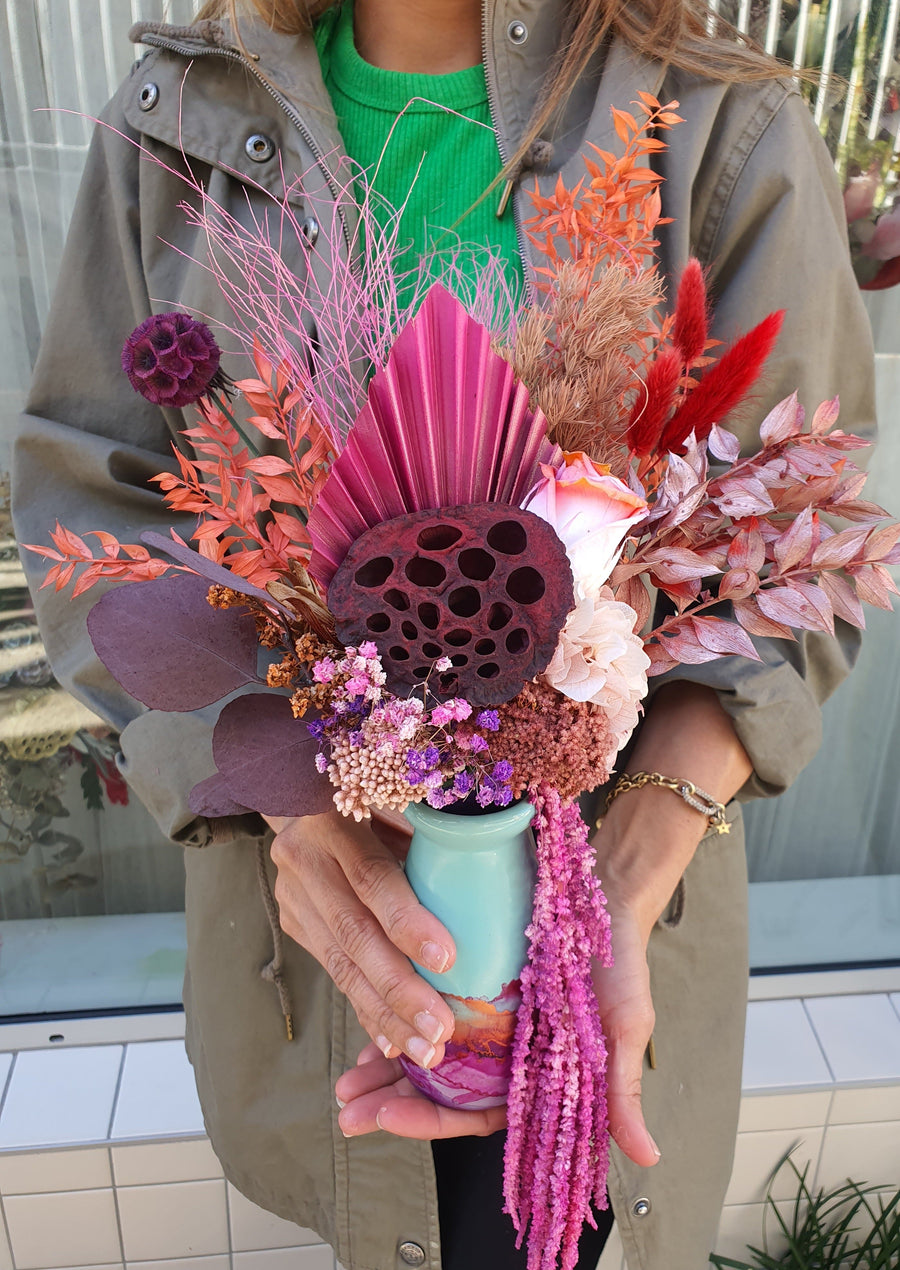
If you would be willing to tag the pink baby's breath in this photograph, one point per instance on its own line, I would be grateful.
(324, 671)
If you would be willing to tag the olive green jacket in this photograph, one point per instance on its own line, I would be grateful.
(751, 189)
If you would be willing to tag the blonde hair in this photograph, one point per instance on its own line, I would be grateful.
(684, 34)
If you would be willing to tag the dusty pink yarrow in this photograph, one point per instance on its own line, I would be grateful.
(557, 1146)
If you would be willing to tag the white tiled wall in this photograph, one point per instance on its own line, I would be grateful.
(104, 1164)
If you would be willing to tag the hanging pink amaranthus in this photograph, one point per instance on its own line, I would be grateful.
(557, 1146)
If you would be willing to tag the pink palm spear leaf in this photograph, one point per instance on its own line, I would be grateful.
(446, 423)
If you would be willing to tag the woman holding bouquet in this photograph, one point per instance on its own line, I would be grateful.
(502, 93)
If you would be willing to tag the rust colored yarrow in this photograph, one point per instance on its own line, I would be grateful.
(551, 739)
(283, 674)
(172, 360)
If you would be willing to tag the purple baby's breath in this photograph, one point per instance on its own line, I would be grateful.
(489, 720)
(503, 770)
(431, 756)
(477, 743)
(316, 728)
(463, 783)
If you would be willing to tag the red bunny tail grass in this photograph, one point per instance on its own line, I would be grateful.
(725, 385)
(691, 327)
(651, 409)
(557, 1144)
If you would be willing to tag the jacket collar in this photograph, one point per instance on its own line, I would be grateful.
(515, 71)
(287, 67)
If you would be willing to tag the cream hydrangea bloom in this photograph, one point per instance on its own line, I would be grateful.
(600, 659)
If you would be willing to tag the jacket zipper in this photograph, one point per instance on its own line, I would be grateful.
(504, 157)
(160, 41)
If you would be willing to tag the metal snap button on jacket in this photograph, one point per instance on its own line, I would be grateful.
(641, 1207)
(412, 1254)
(309, 228)
(517, 32)
(148, 96)
(259, 147)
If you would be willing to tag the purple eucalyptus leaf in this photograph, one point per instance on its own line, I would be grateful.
(212, 797)
(168, 648)
(180, 551)
(267, 757)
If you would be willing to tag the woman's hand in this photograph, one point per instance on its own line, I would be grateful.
(343, 896)
(645, 842)
(378, 1096)
(644, 845)
(626, 1009)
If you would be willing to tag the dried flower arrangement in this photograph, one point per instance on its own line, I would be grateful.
(447, 564)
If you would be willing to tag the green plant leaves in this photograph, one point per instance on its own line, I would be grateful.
(850, 1227)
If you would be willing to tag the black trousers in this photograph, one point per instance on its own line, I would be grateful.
(475, 1232)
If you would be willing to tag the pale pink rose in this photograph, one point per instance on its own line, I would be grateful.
(591, 511)
(600, 659)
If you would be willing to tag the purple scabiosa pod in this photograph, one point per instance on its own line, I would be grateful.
(172, 360)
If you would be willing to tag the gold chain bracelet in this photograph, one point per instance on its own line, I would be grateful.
(697, 798)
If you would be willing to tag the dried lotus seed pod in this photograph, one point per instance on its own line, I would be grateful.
(487, 585)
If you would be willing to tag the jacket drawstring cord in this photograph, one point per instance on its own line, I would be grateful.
(273, 971)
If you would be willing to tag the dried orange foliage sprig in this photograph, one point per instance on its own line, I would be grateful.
(238, 495)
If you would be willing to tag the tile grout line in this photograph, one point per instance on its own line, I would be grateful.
(5, 1228)
(228, 1224)
(895, 1005)
(827, 1119)
(7, 1083)
(811, 1021)
(115, 1191)
(116, 1092)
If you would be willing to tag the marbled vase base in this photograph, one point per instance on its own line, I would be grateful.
(474, 1073)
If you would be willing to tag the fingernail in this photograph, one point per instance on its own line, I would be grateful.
(656, 1149)
(420, 1051)
(384, 1045)
(435, 957)
(429, 1026)
(378, 1117)
(340, 1104)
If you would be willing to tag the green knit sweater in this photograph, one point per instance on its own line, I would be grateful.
(437, 159)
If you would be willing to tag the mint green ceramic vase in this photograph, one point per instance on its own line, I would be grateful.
(476, 873)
